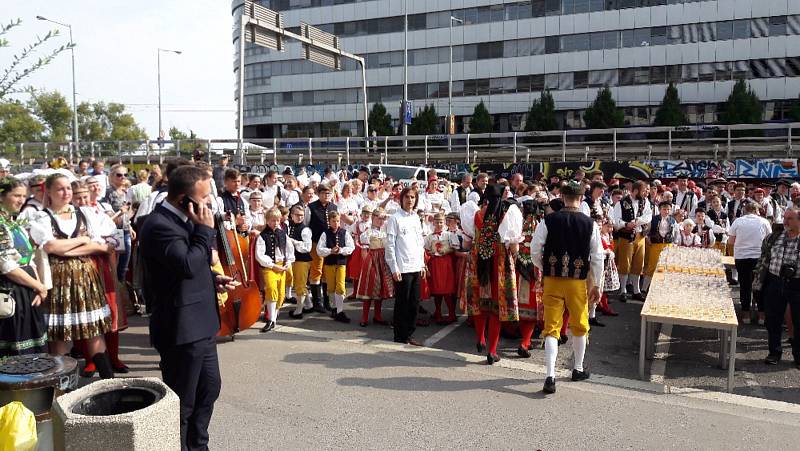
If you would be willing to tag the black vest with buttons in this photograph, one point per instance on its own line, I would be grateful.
(296, 233)
(274, 239)
(567, 249)
(717, 219)
(333, 239)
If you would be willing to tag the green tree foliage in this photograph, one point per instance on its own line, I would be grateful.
(54, 112)
(23, 63)
(743, 106)
(425, 122)
(670, 112)
(17, 124)
(481, 121)
(380, 121)
(107, 121)
(542, 115)
(603, 113)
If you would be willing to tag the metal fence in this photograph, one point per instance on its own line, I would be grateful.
(749, 141)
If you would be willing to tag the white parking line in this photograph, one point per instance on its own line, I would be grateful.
(445, 331)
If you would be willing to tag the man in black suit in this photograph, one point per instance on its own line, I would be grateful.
(176, 241)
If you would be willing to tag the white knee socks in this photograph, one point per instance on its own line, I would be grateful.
(273, 311)
(288, 292)
(634, 278)
(338, 300)
(646, 283)
(623, 281)
(592, 310)
(550, 354)
(579, 350)
(301, 302)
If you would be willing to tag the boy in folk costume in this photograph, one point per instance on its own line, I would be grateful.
(703, 229)
(529, 278)
(441, 279)
(275, 254)
(629, 216)
(567, 248)
(335, 244)
(356, 262)
(663, 232)
(374, 284)
(492, 288)
(300, 236)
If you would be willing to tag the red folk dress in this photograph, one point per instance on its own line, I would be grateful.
(441, 279)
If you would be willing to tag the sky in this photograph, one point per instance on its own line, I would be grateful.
(116, 51)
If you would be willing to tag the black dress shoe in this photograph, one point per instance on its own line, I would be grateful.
(481, 348)
(733, 283)
(308, 310)
(319, 308)
(341, 317)
(294, 315)
(327, 305)
(121, 368)
(363, 324)
(772, 359)
(291, 300)
(549, 385)
(268, 327)
(579, 375)
(595, 322)
(491, 358)
(563, 340)
(623, 298)
(638, 297)
(524, 353)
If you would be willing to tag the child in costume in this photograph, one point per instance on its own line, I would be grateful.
(334, 246)
(374, 284)
(441, 280)
(275, 254)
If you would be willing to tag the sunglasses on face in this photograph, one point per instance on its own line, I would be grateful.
(119, 174)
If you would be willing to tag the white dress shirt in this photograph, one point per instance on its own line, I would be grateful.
(303, 245)
(596, 253)
(266, 261)
(644, 219)
(750, 231)
(405, 247)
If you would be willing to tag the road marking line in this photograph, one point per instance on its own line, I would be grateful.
(445, 331)
(658, 367)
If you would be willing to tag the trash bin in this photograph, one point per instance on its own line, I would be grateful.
(35, 380)
(136, 414)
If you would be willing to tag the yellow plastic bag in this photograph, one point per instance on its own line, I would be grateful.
(17, 428)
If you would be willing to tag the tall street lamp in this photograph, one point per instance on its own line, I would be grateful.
(158, 53)
(75, 139)
(450, 84)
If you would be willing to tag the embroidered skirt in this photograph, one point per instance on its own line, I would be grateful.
(530, 296)
(460, 274)
(77, 305)
(375, 280)
(441, 278)
(26, 331)
(356, 262)
(499, 296)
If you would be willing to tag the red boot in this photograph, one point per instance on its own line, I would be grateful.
(90, 368)
(604, 307)
(364, 313)
(377, 315)
(112, 346)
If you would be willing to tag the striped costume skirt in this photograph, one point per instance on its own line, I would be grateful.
(375, 280)
(77, 304)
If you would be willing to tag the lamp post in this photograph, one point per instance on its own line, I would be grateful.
(75, 138)
(405, 72)
(450, 83)
(160, 130)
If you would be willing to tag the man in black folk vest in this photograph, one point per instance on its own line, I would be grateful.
(567, 248)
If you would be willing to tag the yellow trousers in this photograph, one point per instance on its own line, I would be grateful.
(300, 278)
(274, 285)
(315, 275)
(630, 255)
(334, 277)
(565, 293)
(653, 251)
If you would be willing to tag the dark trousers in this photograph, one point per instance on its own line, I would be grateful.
(745, 267)
(406, 304)
(777, 294)
(192, 371)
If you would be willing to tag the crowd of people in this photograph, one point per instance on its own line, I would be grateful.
(533, 257)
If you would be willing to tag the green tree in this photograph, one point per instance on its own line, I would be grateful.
(54, 111)
(603, 113)
(425, 122)
(542, 115)
(743, 106)
(795, 112)
(481, 121)
(17, 124)
(23, 63)
(670, 112)
(107, 121)
(380, 122)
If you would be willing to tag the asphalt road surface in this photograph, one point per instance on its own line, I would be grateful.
(319, 384)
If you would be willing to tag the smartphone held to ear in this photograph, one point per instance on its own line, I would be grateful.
(186, 201)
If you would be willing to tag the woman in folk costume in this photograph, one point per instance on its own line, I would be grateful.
(440, 270)
(374, 284)
(356, 262)
(492, 291)
(105, 264)
(529, 278)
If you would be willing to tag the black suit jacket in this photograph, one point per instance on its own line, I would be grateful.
(178, 280)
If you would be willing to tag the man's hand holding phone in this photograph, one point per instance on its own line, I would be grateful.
(199, 213)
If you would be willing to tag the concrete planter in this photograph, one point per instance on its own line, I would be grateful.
(139, 414)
